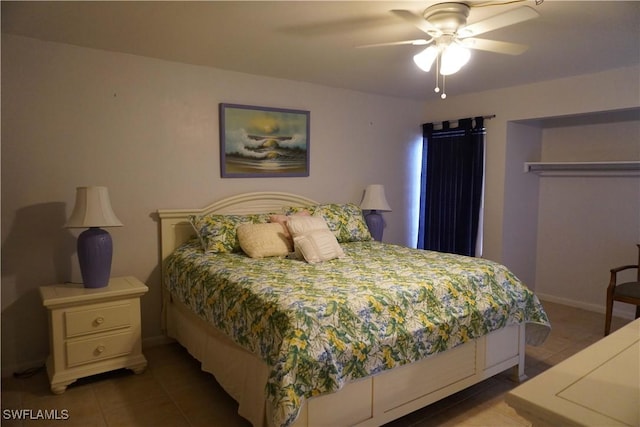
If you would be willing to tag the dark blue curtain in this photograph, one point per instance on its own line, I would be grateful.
(451, 187)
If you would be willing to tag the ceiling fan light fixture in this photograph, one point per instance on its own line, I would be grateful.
(425, 59)
(453, 58)
(452, 37)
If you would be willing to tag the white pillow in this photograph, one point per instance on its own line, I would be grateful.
(263, 240)
(282, 220)
(313, 239)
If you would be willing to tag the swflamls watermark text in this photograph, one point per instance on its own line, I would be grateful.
(35, 414)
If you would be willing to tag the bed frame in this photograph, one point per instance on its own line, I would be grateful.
(370, 401)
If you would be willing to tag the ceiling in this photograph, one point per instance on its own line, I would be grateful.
(316, 41)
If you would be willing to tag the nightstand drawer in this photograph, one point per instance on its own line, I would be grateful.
(97, 318)
(91, 350)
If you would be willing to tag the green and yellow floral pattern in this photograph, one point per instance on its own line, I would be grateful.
(318, 326)
(217, 233)
(346, 221)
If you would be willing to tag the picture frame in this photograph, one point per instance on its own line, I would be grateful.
(263, 142)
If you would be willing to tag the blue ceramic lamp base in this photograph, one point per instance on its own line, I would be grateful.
(95, 251)
(375, 222)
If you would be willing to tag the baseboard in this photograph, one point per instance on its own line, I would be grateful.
(157, 340)
(625, 312)
(10, 370)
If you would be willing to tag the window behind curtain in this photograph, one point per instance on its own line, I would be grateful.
(451, 189)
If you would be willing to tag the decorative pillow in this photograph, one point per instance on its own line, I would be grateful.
(282, 220)
(313, 239)
(217, 233)
(346, 221)
(263, 240)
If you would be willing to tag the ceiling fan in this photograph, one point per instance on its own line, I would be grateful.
(450, 38)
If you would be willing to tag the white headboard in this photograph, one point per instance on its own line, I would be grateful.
(175, 228)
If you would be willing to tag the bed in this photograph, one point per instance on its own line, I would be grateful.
(363, 337)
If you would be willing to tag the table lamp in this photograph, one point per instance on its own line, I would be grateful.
(95, 248)
(375, 201)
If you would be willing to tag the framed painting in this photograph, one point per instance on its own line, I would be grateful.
(263, 142)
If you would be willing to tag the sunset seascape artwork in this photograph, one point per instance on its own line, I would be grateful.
(259, 141)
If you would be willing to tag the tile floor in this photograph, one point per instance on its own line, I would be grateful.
(174, 392)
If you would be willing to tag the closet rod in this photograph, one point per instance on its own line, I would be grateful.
(489, 117)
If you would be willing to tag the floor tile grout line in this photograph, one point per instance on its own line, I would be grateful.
(170, 395)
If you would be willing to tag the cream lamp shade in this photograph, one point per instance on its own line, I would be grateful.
(375, 201)
(92, 209)
(95, 248)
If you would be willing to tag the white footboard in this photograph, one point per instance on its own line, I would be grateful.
(371, 401)
(390, 395)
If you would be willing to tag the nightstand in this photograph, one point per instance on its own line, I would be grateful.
(93, 330)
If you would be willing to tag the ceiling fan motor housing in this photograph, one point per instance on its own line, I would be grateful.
(447, 17)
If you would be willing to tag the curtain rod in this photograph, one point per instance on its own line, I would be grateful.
(489, 117)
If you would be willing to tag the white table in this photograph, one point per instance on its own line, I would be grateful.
(599, 386)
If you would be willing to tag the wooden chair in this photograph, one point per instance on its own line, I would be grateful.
(628, 292)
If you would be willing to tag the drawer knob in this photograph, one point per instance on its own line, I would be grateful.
(99, 320)
(100, 349)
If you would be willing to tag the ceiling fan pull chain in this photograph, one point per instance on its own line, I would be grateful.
(444, 87)
(437, 88)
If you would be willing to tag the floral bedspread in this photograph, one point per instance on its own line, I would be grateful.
(318, 326)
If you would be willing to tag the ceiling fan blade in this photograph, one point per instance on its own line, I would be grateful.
(504, 19)
(416, 21)
(417, 42)
(494, 46)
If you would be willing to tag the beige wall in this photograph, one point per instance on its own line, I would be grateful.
(612, 90)
(587, 224)
(148, 130)
(521, 210)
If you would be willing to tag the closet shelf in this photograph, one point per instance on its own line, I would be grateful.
(618, 168)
